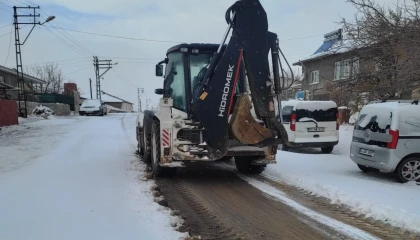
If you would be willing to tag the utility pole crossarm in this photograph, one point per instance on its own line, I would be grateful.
(99, 64)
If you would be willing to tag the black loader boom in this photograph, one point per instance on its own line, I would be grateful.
(248, 51)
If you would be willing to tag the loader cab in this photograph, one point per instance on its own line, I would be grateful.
(185, 67)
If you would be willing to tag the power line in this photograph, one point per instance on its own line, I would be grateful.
(297, 38)
(24, 3)
(6, 34)
(6, 10)
(70, 40)
(118, 75)
(119, 37)
(6, 25)
(67, 44)
(10, 44)
(64, 60)
(76, 71)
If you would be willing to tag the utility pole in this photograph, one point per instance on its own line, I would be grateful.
(23, 110)
(100, 64)
(140, 91)
(148, 102)
(90, 84)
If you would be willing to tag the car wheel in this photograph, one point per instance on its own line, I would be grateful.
(365, 169)
(408, 170)
(327, 149)
(157, 170)
(244, 165)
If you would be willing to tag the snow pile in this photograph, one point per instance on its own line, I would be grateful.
(42, 111)
(353, 117)
(336, 177)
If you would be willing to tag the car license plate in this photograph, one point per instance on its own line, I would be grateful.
(316, 129)
(366, 152)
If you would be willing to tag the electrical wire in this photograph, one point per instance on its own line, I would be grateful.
(10, 44)
(6, 25)
(6, 10)
(118, 75)
(70, 40)
(76, 71)
(67, 44)
(119, 37)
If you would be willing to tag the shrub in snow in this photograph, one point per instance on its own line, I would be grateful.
(42, 111)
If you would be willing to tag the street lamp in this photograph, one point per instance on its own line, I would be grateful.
(49, 19)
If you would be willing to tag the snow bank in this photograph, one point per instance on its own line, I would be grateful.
(353, 117)
(337, 178)
(42, 111)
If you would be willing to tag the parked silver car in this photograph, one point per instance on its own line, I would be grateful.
(386, 137)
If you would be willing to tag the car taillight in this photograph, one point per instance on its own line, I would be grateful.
(337, 126)
(393, 139)
(293, 122)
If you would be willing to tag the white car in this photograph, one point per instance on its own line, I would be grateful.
(310, 124)
(386, 137)
(93, 107)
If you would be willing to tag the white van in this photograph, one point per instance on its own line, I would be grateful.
(93, 107)
(310, 124)
(386, 137)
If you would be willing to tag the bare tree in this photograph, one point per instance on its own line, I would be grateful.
(51, 74)
(387, 42)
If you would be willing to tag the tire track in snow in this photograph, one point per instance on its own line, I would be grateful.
(345, 229)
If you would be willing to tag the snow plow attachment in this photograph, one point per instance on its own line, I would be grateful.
(243, 125)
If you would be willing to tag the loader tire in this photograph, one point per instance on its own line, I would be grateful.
(157, 170)
(146, 137)
(244, 165)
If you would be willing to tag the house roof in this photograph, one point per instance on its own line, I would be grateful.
(333, 44)
(26, 77)
(6, 86)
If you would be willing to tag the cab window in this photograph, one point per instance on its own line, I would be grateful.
(175, 80)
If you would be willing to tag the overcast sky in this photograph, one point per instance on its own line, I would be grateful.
(300, 25)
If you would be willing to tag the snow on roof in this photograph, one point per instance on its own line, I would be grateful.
(26, 77)
(330, 46)
(310, 105)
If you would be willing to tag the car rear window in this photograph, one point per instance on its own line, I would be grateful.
(287, 113)
(378, 121)
(322, 115)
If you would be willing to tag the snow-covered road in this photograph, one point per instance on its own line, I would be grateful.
(77, 178)
(337, 178)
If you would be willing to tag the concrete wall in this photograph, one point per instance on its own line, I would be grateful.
(8, 113)
(59, 108)
(121, 105)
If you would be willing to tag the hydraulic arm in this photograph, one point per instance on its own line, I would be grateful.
(248, 49)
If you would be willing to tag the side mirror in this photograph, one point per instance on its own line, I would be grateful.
(159, 91)
(159, 70)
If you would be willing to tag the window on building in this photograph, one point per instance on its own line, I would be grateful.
(342, 69)
(337, 71)
(2, 79)
(346, 68)
(356, 69)
(315, 76)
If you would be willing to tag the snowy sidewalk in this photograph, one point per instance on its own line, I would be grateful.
(338, 178)
(81, 183)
